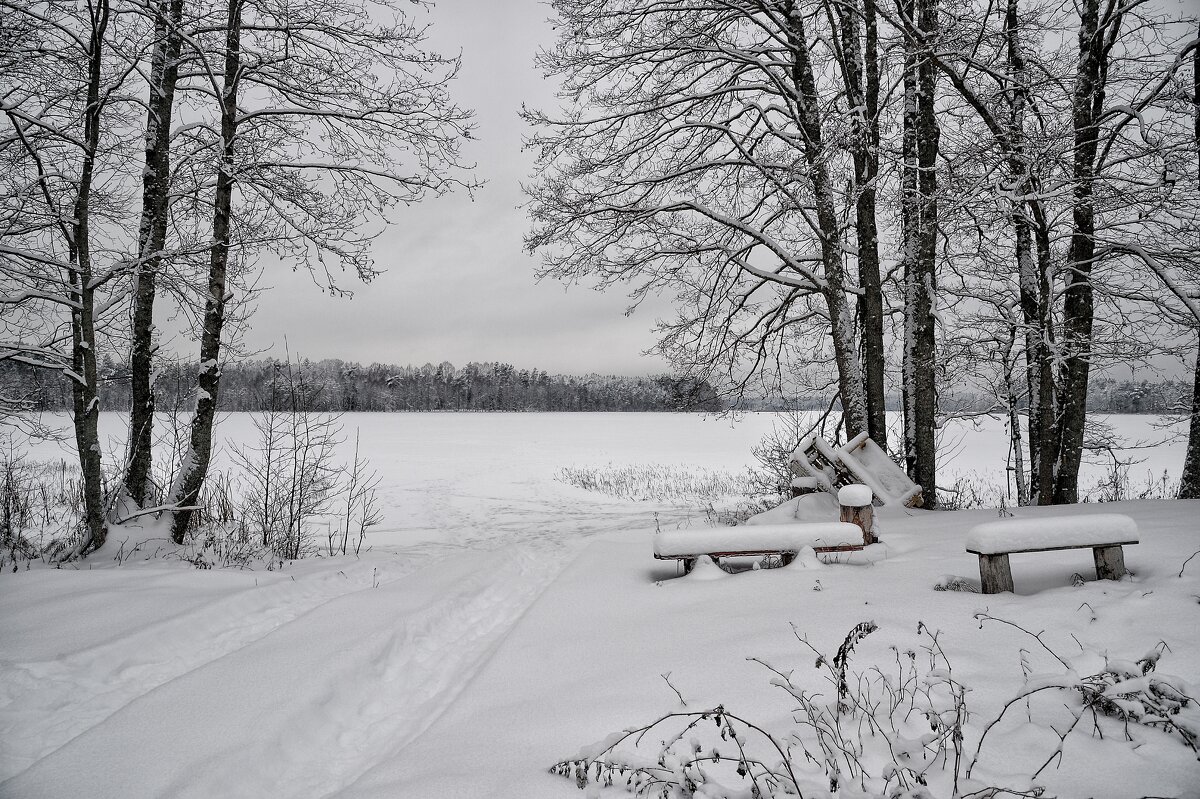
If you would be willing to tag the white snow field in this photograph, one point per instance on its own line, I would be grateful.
(503, 621)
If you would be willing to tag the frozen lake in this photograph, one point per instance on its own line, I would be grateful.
(427, 447)
(469, 478)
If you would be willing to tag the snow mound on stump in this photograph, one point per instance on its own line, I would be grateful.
(855, 495)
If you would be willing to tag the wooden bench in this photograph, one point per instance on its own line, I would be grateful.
(1103, 533)
(784, 540)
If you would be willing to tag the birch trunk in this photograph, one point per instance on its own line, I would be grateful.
(1032, 274)
(1189, 483)
(84, 394)
(194, 470)
(152, 234)
(861, 79)
(841, 323)
(920, 223)
(1079, 303)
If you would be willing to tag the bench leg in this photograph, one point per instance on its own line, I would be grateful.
(1110, 562)
(995, 576)
(688, 563)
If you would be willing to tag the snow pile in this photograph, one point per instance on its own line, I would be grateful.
(820, 507)
(1078, 530)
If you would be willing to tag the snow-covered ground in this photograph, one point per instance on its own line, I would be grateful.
(502, 620)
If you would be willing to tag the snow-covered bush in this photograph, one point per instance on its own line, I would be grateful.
(899, 730)
(880, 733)
(1113, 699)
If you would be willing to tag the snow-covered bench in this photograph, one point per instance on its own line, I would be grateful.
(785, 540)
(1103, 533)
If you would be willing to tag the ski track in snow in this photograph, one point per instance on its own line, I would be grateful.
(391, 681)
(50, 702)
(384, 692)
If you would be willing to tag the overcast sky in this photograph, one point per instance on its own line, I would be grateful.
(458, 285)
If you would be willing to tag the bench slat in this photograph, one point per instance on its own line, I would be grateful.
(758, 553)
(1054, 549)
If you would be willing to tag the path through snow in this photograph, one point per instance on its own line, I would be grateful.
(364, 673)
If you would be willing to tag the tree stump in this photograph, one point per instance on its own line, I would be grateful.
(856, 508)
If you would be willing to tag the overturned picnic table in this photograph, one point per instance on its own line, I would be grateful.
(785, 540)
(1103, 533)
(820, 466)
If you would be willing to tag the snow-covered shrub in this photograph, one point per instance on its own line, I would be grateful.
(970, 491)
(1119, 696)
(952, 582)
(725, 515)
(880, 733)
(896, 730)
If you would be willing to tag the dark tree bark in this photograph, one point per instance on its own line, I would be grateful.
(850, 375)
(860, 75)
(85, 398)
(1095, 40)
(920, 229)
(1033, 271)
(1189, 483)
(194, 469)
(152, 234)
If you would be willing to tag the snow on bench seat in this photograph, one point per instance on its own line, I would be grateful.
(756, 539)
(1051, 533)
(1103, 533)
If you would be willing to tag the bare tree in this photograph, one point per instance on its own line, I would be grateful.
(64, 75)
(310, 144)
(700, 154)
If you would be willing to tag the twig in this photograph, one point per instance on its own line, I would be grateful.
(667, 679)
(1185, 563)
(981, 617)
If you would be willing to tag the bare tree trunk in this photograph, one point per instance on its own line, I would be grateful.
(908, 248)
(152, 234)
(84, 394)
(861, 79)
(194, 469)
(1189, 483)
(1045, 452)
(920, 219)
(1078, 308)
(849, 367)
(1032, 274)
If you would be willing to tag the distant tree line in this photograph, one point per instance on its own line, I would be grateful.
(1105, 395)
(336, 385)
